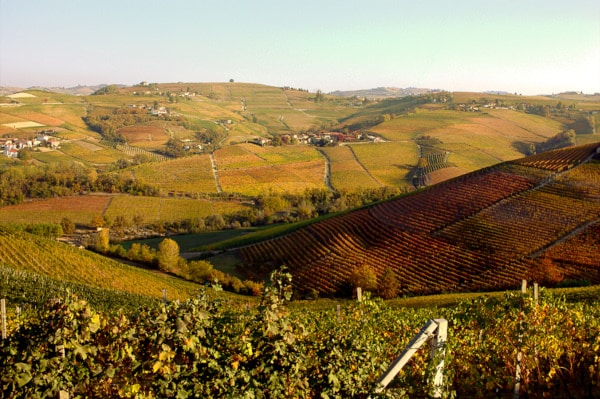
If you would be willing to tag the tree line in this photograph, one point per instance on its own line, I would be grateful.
(21, 182)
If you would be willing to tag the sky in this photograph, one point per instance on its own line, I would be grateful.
(523, 46)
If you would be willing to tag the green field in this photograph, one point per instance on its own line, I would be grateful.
(346, 172)
(389, 163)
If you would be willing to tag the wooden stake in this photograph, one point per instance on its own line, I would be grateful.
(3, 312)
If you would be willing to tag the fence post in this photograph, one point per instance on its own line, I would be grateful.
(438, 352)
(520, 343)
(359, 294)
(164, 292)
(3, 312)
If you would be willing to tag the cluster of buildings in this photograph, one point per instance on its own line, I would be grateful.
(10, 147)
(320, 139)
(327, 138)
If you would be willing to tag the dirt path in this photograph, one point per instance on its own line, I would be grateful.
(215, 171)
(327, 177)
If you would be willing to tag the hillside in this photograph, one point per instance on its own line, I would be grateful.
(48, 258)
(152, 123)
(485, 230)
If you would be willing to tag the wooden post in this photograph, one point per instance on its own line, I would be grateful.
(3, 312)
(359, 294)
(164, 292)
(339, 313)
(536, 292)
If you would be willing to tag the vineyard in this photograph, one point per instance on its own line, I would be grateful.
(28, 253)
(253, 170)
(481, 231)
(212, 348)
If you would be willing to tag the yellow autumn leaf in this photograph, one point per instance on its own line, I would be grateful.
(157, 366)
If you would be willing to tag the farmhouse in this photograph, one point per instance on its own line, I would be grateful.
(158, 111)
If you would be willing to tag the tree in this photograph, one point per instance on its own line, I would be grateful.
(388, 286)
(98, 221)
(102, 240)
(168, 255)
(199, 270)
(364, 276)
(319, 96)
(67, 225)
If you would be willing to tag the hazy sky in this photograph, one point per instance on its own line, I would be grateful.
(524, 46)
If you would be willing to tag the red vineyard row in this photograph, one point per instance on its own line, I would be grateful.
(472, 233)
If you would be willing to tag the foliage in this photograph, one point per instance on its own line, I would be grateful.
(213, 349)
(388, 286)
(363, 276)
(168, 255)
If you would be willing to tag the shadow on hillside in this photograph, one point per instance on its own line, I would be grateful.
(522, 147)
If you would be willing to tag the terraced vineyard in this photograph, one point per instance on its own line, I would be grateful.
(474, 232)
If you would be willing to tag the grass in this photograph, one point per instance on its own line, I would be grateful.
(195, 242)
(160, 209)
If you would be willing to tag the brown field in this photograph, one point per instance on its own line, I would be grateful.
(80, 209)
(41, 118)
(445, 174)
(10, 118)
(145, 136)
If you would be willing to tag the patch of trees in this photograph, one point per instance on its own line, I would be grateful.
(63, 179)
(110, 89)
(167, 259)
(561, 140)
(109, 123)
(46, 230)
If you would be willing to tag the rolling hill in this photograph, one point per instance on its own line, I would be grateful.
(485, 230)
